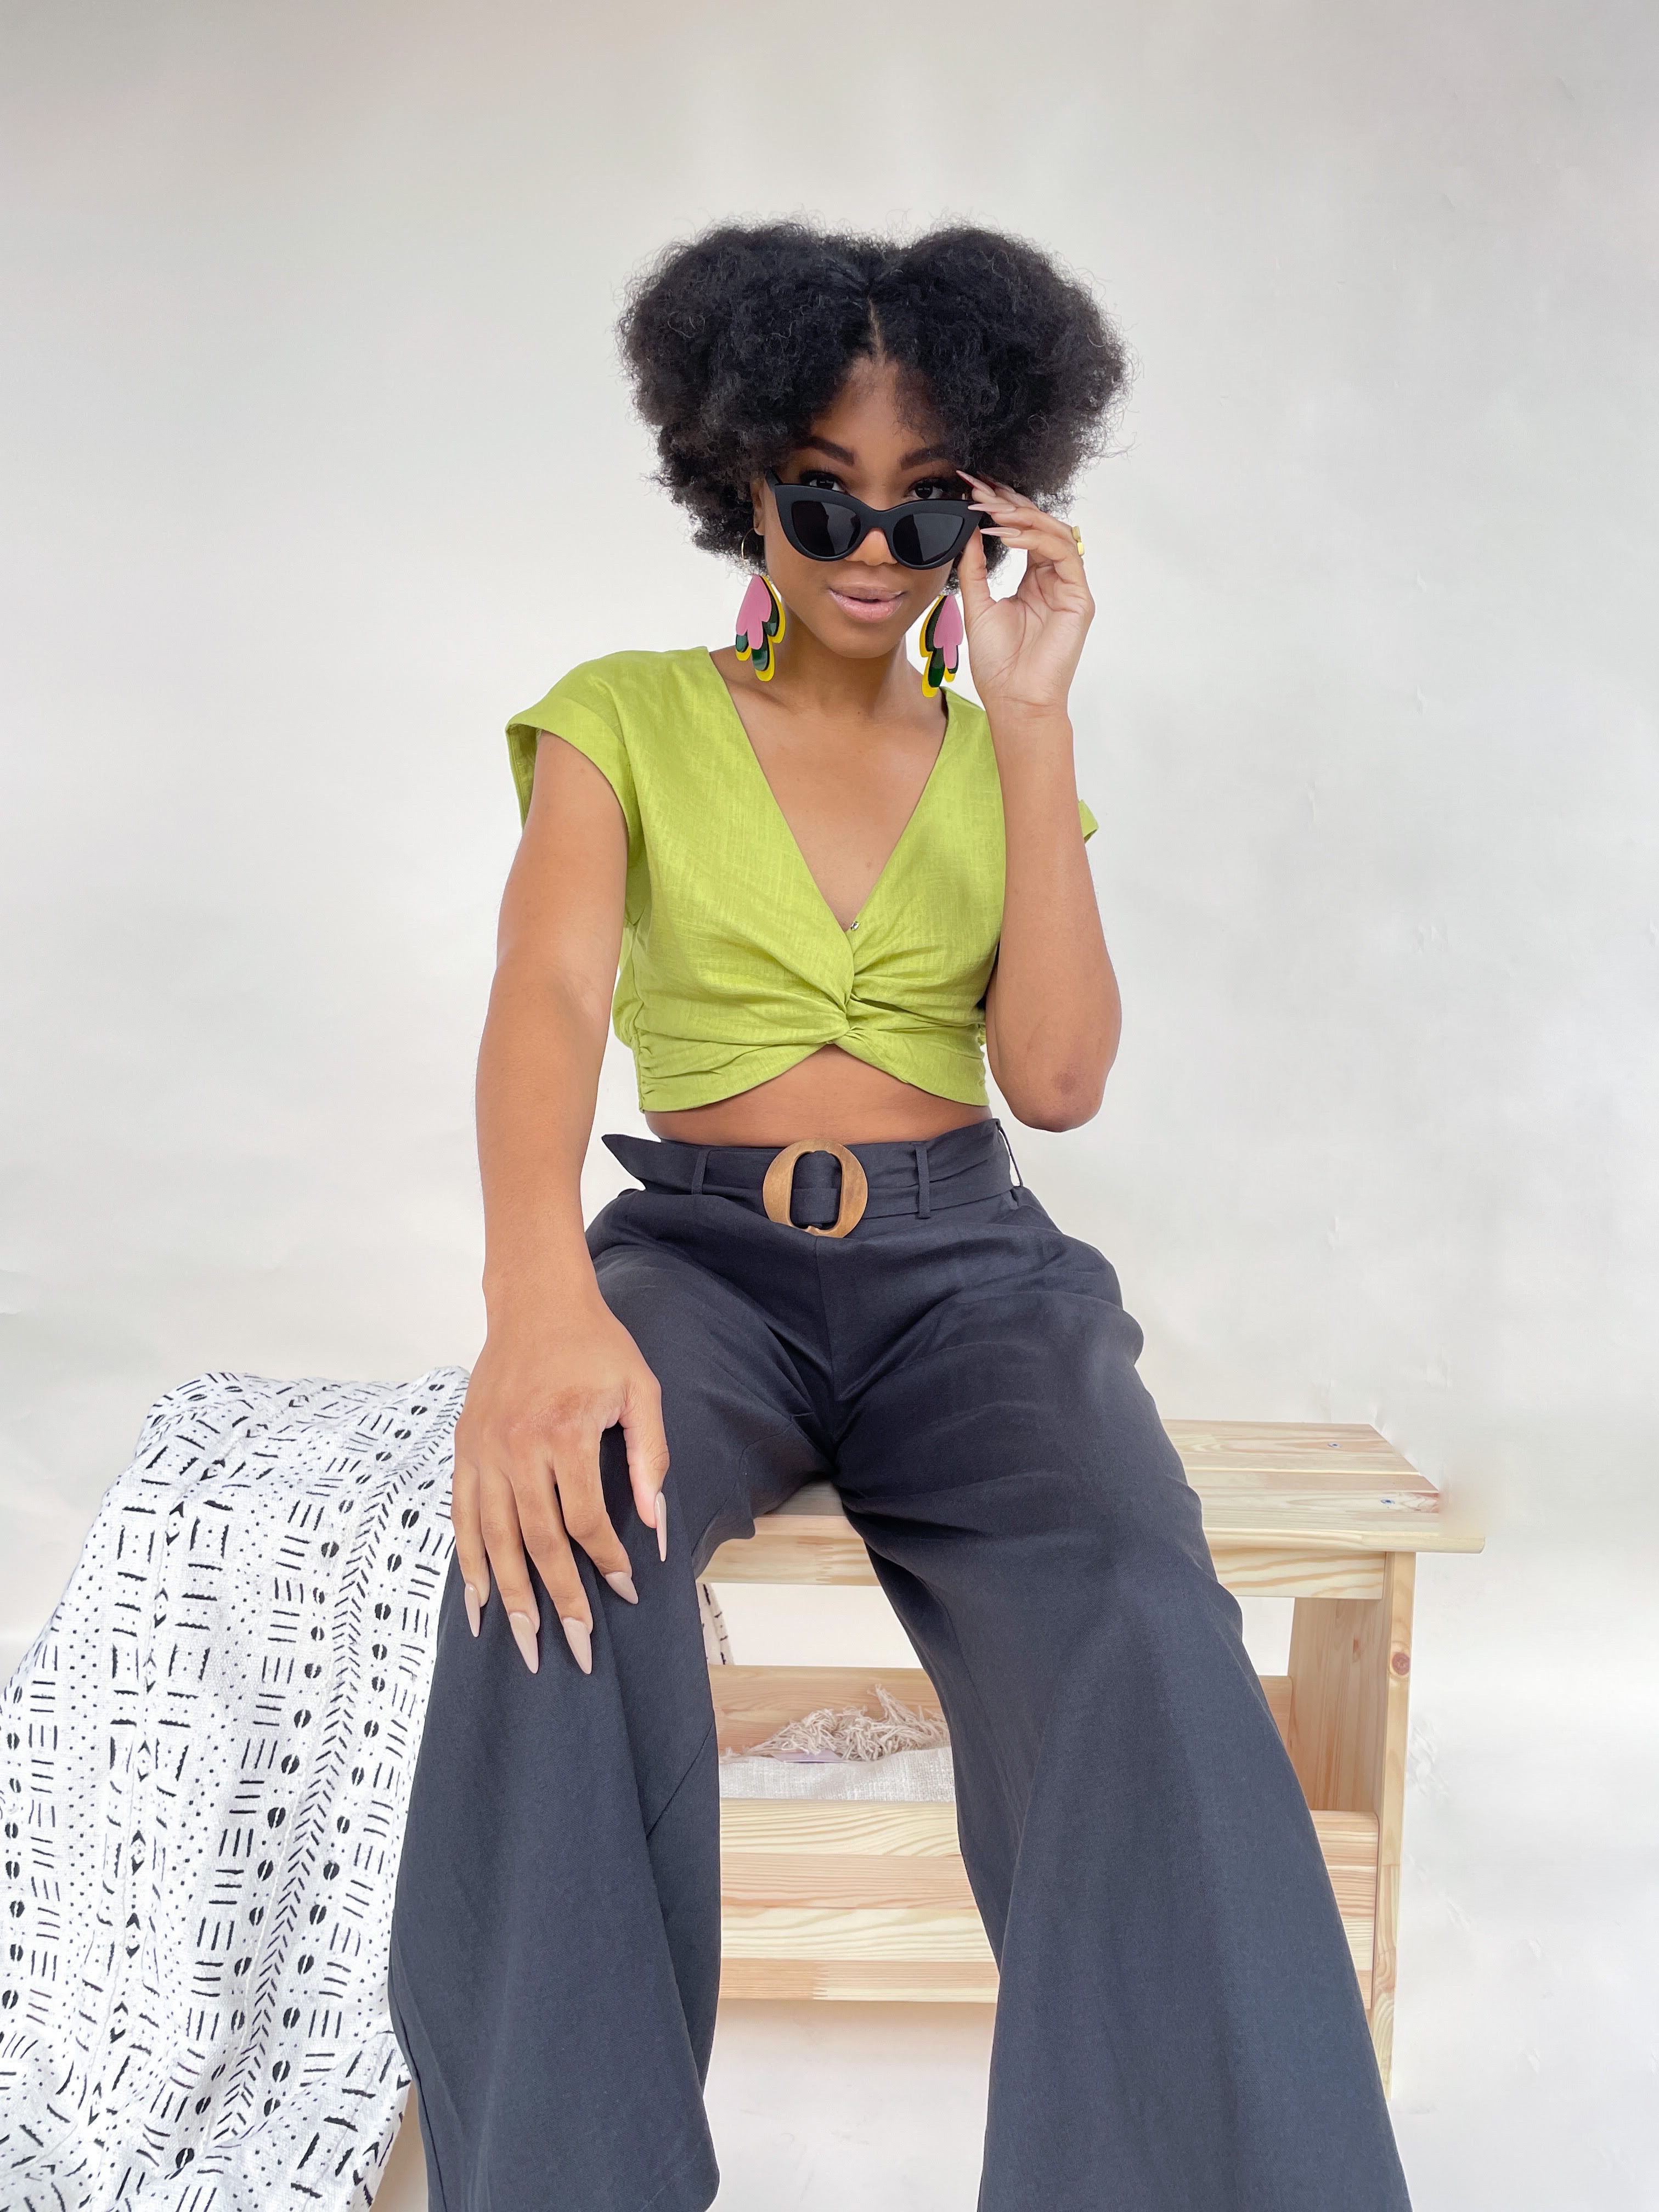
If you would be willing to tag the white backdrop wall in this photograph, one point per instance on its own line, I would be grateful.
(317, 465)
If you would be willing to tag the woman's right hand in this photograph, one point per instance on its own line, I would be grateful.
(527, 1466)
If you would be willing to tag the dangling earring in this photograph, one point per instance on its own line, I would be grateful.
(941, 642)
(760, 626)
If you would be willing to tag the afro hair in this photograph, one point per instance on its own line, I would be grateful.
(736, 341)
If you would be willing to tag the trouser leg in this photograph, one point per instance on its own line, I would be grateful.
(555, 1933)
(1179, 2028)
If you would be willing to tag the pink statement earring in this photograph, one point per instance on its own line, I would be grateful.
(760, 626)
(941, 643)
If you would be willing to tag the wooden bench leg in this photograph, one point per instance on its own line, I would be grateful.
(1350, 1675)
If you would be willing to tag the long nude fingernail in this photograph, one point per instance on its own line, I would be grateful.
(580, 1643)
(623, 1586)
(524, 1635)
(472, 1608)
(661, 1511)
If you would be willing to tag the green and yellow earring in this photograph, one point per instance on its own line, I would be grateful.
(760, 627)
(941, 643)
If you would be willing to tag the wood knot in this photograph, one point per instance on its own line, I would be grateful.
(1401, 1662)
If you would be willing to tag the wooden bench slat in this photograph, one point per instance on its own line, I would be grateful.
(858, 1878)
(838, 1827)
(1349, 1452)
(1279, 1498)
(865, 1909)
(939, 1934)
(812, 1548)
(859, 1981)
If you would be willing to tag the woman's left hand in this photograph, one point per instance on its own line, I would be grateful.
(1025, 649)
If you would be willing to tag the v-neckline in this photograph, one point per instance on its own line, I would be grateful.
(844, 930)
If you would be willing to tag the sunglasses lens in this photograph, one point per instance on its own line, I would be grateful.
(822, 530)
(925, 540)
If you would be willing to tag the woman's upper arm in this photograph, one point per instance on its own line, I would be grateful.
(563, 910)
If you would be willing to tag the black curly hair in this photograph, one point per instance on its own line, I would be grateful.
(737, 340)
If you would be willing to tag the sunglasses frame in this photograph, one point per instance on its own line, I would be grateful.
(884, 519)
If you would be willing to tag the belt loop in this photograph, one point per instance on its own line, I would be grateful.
(924, 1201)
(696, 1172)
(1012, 1162)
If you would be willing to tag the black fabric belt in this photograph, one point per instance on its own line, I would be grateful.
(919, 1177)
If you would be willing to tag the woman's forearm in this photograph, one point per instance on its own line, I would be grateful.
(1054, 1014)
(537, 1085)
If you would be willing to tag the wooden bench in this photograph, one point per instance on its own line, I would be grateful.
(863, 1901)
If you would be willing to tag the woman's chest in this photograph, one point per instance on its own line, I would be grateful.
(845, 800)
(886, 857)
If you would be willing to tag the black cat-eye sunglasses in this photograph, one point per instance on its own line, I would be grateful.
(827, 526)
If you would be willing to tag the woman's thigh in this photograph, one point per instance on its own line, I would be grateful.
(1016, 1486)
(1016, 1414)
(742, 1432)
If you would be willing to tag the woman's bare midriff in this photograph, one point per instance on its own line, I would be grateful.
(828, 1094)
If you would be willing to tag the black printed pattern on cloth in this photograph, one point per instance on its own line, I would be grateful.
(205, 1759)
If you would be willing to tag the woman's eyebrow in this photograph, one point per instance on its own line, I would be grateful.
(844, 453)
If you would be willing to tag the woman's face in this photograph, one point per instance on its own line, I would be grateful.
(871, 443)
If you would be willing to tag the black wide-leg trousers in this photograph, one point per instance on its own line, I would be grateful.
(1179, 2027)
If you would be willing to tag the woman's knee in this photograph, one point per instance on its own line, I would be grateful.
(1166, 1593)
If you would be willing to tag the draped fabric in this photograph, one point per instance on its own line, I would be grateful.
(204, 1766)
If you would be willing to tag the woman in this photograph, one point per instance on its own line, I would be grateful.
(835, 891)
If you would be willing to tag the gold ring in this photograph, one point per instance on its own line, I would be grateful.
(1077, 535)
(779, 1185)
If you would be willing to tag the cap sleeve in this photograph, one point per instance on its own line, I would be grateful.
(1090, 825)
(582, 709)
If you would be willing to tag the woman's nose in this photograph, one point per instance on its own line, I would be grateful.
(873, 551)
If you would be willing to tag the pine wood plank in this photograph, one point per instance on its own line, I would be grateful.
(795, 1546)
(763, 1823)
(916, 1932)
(811, 1548)
(843, 1879)
(859, 1981)
(1349, 1452)
(1278, 1497)
(1295, 1569)
(864, 1911)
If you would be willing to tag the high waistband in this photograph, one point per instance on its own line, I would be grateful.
(917, 1176)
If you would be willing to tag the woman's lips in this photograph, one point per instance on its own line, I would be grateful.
(870, 610)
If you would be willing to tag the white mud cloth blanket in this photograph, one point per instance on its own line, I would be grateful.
(206, 1759)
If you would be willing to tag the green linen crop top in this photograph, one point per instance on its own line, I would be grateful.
(734, 967)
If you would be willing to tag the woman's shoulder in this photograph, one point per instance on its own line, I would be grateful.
(629, 686)
(970, 730)
(980, 787)
(968, 712)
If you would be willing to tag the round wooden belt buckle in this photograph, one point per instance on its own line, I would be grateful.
(780, 1182)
